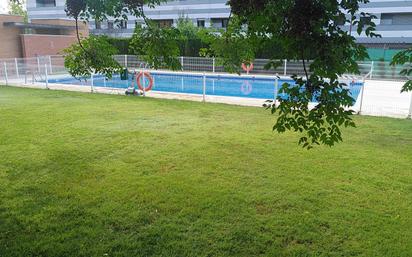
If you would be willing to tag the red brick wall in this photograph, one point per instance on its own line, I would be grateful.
(10, 37)
(39, 45)
(15, 44)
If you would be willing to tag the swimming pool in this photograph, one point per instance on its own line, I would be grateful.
(219, 85)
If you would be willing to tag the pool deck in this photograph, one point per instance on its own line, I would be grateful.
(380, 98)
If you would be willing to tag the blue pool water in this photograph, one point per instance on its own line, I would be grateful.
(263, 88)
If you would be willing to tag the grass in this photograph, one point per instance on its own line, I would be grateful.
(101, 175)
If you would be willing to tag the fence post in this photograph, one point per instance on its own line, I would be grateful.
(204, 87)
(50, 64)
(125, 61)
(17, 68)
(46, 77)
(361, 99)
(38, 64)
(276, 89)
(213, 64)
(371, 71)
(410, 109)
(91, 83)
(25, 78)
(5, 73)
(285, 67)
(181, 62)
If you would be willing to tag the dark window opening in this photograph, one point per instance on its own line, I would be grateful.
(225, 22)
(138, 24)
(201, 23)
(123, 24)
(110, 24)
(220, 23)
(365, 19)
(396, 18)
(165, 23)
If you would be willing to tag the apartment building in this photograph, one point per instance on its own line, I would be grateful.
(394, 22)
(394, 17)
(203, 13)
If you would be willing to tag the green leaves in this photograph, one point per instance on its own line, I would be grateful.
(272, 64)
(407, 87)
(75, 7)
(366, 24)
(234, 45)
(404, 58)
(157, 46)
(320, 123)
(317, 105)
(94, 55)
(17, 8)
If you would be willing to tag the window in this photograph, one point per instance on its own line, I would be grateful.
(402, 19)
(138, 24)
(220, 23)
(45, 3)
(201, 23)
(110, 24)
(225, 22)
(98, 24)
(386, 18)
(123, 24)
(165, 23)
(396, 18)
(365, 19)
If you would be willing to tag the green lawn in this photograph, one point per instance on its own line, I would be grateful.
(101, 175)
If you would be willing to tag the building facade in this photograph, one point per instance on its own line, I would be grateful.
(203, 13)
(39, 37)
(394, 22)
(394, 17)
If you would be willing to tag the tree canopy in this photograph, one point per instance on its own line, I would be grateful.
(91, 55)
(305, 30)
(18, 8)
(97, 53)
(311, 32)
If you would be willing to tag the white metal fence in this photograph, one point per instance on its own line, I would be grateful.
(375, 70)
(29, 67)
(380, 95)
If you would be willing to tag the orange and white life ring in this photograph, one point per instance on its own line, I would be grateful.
(247, 68)
(148, 77)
